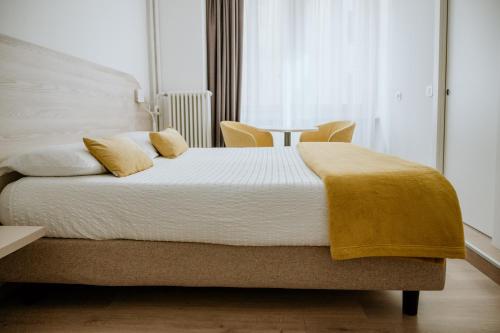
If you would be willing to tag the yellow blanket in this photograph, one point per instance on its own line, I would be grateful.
(380, 205)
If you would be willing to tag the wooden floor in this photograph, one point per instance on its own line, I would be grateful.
(469, 303)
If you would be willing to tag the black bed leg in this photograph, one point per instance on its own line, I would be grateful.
(410, 302)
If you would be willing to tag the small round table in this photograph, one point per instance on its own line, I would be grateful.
(287, 132)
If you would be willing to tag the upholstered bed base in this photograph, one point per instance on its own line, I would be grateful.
(133, 263)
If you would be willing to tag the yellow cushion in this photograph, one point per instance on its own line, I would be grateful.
(169, 142)
(120, 155)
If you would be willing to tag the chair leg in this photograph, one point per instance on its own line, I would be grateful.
(410, 302)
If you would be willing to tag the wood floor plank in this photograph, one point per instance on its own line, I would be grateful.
(469, 303)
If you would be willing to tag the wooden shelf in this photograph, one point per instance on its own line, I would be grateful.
(13, 238)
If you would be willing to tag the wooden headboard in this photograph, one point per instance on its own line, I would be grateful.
(47, 97)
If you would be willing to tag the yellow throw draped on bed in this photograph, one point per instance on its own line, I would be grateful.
(380, 205)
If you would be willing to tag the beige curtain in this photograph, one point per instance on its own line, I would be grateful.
(224, 50)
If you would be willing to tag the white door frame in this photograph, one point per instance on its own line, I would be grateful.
(440, 55)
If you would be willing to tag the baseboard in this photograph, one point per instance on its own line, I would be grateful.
(483, 263)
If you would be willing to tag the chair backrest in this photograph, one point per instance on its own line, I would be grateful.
(340, 131)
(237, 134)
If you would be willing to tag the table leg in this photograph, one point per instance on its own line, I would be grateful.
(288, 138)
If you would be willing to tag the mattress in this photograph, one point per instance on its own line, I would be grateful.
(230, 196)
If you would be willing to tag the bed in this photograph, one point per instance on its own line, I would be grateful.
(175, 224)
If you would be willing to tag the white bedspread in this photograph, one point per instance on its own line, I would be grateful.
(254, 196)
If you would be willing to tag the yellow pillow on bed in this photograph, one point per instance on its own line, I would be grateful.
(120, 155)
(169, 142)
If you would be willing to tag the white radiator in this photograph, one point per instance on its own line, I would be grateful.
(190, 114)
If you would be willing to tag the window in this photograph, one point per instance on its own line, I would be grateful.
(311, 61)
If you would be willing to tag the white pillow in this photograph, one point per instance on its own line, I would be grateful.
(61, 160)
(142, 139)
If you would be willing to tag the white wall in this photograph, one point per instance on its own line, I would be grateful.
(112, 33)
(182, 45)
(410, 65)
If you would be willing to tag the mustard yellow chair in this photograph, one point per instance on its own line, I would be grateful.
(241, 135)
(335, 131)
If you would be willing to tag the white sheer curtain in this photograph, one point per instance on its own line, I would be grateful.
(306, 62)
